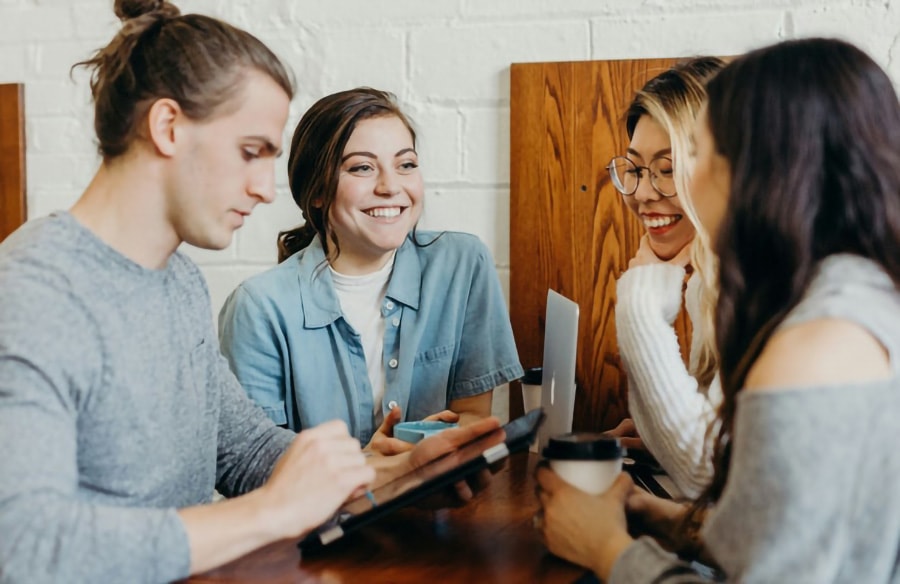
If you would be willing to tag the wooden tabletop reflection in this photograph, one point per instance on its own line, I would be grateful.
(491, 539)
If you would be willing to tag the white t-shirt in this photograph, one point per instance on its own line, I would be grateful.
(361, 298)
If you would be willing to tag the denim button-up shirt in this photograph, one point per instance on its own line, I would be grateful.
(447, 336)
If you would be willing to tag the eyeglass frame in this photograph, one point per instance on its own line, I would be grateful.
(640, 171)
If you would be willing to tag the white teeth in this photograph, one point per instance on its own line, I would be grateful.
(660, 221)
(384, 212)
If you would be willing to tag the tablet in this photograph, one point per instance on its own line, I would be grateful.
(407, 489)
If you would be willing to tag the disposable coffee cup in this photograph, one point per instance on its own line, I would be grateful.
(531, 394)
(531, 388)
(586, 460)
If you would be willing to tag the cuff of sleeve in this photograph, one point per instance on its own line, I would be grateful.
(643, 287)
(645, 561)
(276, 414)
(174, 545)
(487, 382)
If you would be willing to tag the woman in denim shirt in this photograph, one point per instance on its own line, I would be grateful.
(367, 319)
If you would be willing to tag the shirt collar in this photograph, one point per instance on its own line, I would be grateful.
(321, 306)
(405, 285)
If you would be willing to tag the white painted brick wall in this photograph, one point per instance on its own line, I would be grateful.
(448, 61)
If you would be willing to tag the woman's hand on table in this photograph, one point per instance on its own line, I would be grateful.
(450, 440)
(627, 434)
(436, 446)
(657, 517)
(383, 441)
(588, 530)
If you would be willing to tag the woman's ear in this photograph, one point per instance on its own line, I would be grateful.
(163, 125)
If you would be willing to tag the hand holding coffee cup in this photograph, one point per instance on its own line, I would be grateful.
(586, 460)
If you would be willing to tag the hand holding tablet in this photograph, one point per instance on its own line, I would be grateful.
(413, 432)
(437, 462)
(388, 442)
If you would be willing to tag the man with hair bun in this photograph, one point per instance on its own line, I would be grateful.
(118, 414)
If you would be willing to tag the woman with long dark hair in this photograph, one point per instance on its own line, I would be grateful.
(367, 319)
(797, 179)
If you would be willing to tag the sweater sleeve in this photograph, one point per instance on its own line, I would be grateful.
(669, 411)
(645, 561)
(249, 442)
(48, 533)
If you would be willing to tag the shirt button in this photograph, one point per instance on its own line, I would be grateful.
(395, 321)
(392, 404)
(389, 305)
(392, 363)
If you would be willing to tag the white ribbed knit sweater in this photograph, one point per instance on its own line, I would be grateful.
(670, 410)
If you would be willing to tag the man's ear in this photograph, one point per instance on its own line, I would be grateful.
(162, 122)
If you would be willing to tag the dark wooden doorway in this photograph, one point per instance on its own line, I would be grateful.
(12, 158)
(569, 229)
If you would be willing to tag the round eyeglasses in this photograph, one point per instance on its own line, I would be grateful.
(626, 175)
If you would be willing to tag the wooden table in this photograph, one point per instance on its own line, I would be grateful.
(491, 539)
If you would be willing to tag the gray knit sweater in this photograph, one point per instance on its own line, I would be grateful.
(116, 409)
(813, 494)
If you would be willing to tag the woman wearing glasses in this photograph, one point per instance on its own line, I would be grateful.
(672, 405)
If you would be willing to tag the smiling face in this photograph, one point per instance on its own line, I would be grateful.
(710, 185)
(226, 166)
(379, 195)
(668, 229)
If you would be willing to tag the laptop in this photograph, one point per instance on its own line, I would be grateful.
(558, 393)
(558, 381)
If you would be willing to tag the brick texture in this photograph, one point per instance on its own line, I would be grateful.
(447, 60)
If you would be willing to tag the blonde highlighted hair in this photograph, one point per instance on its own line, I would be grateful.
(673, 99)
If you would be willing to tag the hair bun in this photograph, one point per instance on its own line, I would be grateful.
(128, 9)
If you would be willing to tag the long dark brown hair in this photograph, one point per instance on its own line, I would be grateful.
(314, 164)
(196, 60)
(811, 131)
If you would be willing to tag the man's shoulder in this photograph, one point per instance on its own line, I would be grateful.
(36, 237)
(39, 253)
(40, 276)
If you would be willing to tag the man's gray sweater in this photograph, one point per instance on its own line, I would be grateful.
(116, 409)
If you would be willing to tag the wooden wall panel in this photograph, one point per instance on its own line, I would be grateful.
(12, 158)
(569, 229)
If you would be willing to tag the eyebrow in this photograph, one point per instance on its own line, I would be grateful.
(370, 155)
(655, 155)
(267, 145)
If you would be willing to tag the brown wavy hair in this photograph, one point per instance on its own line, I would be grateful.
(314, 163)
(811, 131)
(196, 60)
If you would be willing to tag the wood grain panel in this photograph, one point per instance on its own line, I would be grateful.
(569, 229)
(12, 158)
(539, 121)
